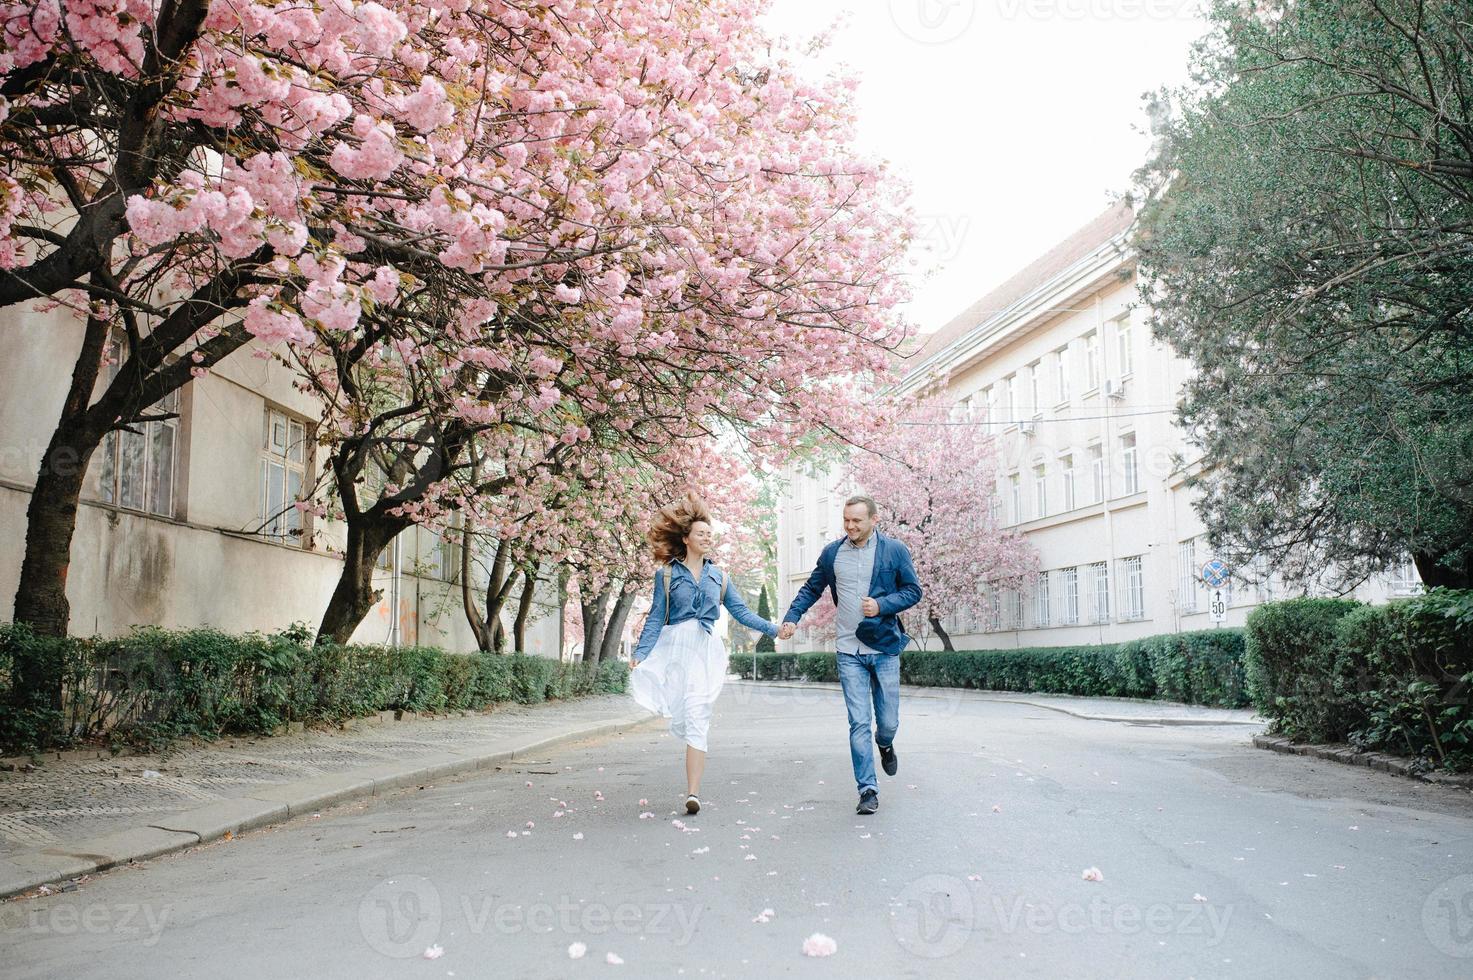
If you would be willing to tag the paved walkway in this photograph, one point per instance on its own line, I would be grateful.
(62, 808)
(1126, 710)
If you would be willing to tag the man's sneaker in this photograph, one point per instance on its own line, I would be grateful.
(888, 759)
(692, 805)
(869, 802)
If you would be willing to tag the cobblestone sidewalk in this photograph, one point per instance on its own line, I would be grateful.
(77, 796)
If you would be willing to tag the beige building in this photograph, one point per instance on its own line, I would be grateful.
(189, 522)
(1059, 363)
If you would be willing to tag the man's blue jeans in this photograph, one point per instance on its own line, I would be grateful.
(870, 678)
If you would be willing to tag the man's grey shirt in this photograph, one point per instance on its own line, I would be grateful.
(852, 570)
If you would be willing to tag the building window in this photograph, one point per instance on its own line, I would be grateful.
(1402, 578)
(1040, 490)
(1010, 400)
(962, 412)
(800, 550)
(1133, 584)
(1066, 463)
(994, 508)
(994, 610)
(443, 561)
(1015, 608)
(992, 415)
(1091, 361)
(1187, 584)
(1263, 584)
(138, 465)
(1069, 589)
(1035, 388)
(1128, 463)
(283, 474)
(1061, 375)
(1122, 342)
(1099, 592)
(1040, 600)
(1015, 497)
(1097, 471)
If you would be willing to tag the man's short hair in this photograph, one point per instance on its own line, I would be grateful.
(859, 498)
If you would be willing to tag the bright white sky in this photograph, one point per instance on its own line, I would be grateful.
(1013, 119)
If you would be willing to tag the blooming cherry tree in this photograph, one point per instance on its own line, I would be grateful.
(933, 479)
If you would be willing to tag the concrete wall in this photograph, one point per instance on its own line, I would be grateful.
(204, 563)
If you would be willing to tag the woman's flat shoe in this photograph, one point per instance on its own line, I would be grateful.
(692, 805)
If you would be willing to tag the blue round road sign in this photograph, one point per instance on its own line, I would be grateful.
(1215, 573)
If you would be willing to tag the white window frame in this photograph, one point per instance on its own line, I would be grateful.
(1097, 471)
(1091, 361)
(1188, 585)
(1070, 478)
(1035, 389)
(284, 453)
(156, 491)
(1133, 588)
(1099, 592)
(1069, 597)
(1061, 375)
(1015, 496)
(1041, 600)
(1123, 347)
(1129, 464)
(1040, 490)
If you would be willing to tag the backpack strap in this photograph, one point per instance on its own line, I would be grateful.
(664, 573)
(725, 581)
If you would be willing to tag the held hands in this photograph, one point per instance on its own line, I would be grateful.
(786, 631)
(870, 607)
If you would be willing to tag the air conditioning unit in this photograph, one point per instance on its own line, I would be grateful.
(1028, 427)
(1114, 388)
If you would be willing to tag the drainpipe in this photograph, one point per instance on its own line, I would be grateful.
(1109, 459)
(394, 593)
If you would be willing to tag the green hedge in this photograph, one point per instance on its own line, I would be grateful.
(1396, 677)
(1204, 667)
(154, 684)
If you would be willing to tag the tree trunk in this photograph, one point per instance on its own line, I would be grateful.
(1434, 574)
(524, 609)
(609, 649)
(354, 595)
(594, 615)
(945, 638)
(467, 596)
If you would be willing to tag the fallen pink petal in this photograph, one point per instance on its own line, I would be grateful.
(1093, 874)
(576, 950)
(819, 945)
(433, 952)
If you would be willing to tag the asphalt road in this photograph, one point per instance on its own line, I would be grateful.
(1216, 860)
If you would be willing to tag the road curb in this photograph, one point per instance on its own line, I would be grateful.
(284, 801)
(1011, 698)
(1351, 756)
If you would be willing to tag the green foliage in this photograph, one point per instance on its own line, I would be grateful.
(155, 685)
(1304, 241)
(1417, 658)
(1292, 674)
(765, 643)
(1199, 668)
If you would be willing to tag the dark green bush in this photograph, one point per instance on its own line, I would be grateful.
(154, 685)
(1200, 668)
(1412, 661)
(1292, 672)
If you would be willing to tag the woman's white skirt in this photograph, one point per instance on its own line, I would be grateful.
(681, 678)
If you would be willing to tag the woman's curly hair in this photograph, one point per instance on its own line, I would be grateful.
(672, 524)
